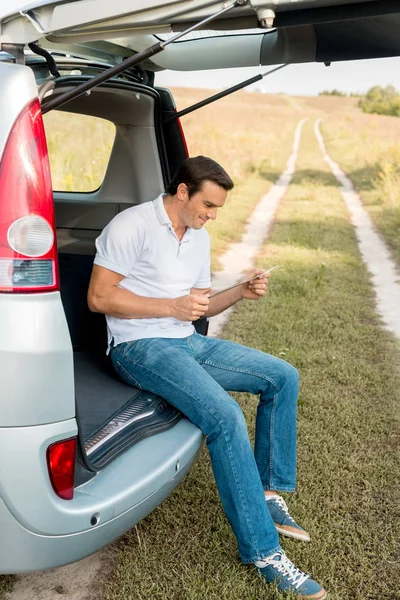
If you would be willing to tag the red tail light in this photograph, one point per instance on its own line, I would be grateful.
(61, 466)
(28, 250)
(183, 137)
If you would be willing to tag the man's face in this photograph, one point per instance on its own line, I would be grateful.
(203, 205)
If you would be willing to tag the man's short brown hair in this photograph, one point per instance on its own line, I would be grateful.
(194, 171)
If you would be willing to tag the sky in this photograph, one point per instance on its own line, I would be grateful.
(299, 80)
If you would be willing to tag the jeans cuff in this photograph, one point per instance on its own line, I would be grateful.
(280, 488)
(261, 555)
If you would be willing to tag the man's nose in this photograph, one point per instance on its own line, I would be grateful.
(212, 214)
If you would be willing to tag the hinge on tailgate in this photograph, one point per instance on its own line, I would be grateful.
(16, 50)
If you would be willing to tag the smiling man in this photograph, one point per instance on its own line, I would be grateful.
(151, 278)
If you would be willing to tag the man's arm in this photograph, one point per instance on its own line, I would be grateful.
(104, 296)
(253, 290)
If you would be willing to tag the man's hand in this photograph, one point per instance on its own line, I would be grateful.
(253, 290)
(190, 307)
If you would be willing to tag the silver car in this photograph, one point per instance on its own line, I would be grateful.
(83, 457)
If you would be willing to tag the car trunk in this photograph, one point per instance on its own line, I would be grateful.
(111, 415)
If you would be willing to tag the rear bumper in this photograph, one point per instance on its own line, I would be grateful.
(120, 496)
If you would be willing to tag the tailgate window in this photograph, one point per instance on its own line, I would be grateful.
(79, 150)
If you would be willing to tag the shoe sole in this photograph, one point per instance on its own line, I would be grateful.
(315, 597)
(292, 534)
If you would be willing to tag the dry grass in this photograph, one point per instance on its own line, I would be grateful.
(367, 147)
(251, 135)
(79, 148)
(246, 133)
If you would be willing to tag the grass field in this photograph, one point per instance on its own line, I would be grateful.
(368, 148)
(319, 315)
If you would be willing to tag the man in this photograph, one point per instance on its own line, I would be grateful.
(151, 278)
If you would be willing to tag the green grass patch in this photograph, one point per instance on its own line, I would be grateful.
(229, 226)
(319, 315)
(368, 150)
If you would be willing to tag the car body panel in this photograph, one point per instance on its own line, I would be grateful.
(78, 13)
(35, 345)
(306, 31)
(126, 482)
(27, 551)
(18, 88)
(37, 380)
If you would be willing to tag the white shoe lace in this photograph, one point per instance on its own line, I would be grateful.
(286, 567)
(282, 504)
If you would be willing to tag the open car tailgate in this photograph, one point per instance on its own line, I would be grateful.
(302, 31)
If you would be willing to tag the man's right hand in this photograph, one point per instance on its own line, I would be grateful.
(190, 307)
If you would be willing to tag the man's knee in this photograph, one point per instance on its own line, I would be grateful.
(229, 420)
(284, 375)
(291, 374)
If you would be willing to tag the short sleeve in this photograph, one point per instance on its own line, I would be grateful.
(204, 279)
(120, 243)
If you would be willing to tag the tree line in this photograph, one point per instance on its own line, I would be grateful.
(384, 101)
(378, 99)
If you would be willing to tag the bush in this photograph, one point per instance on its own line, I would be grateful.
(332, 93)
(383, 101)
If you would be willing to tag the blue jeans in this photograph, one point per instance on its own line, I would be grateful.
(193, 374)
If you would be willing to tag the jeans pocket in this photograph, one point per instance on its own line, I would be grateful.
(126, 376)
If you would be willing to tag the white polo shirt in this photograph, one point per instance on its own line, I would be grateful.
(140, 244)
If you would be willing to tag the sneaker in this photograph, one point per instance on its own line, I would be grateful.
(283, 522)
(278, 569)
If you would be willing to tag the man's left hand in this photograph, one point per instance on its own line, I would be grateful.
(253, 290)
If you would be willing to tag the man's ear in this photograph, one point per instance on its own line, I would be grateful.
(182, 192)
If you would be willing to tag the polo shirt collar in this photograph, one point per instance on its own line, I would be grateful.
(163, 217)
(161, 213)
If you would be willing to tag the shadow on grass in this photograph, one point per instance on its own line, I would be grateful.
(365, 179)
(304, 176)
(330, 235)
(6, 584)
(314, 177)
(388, 222)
